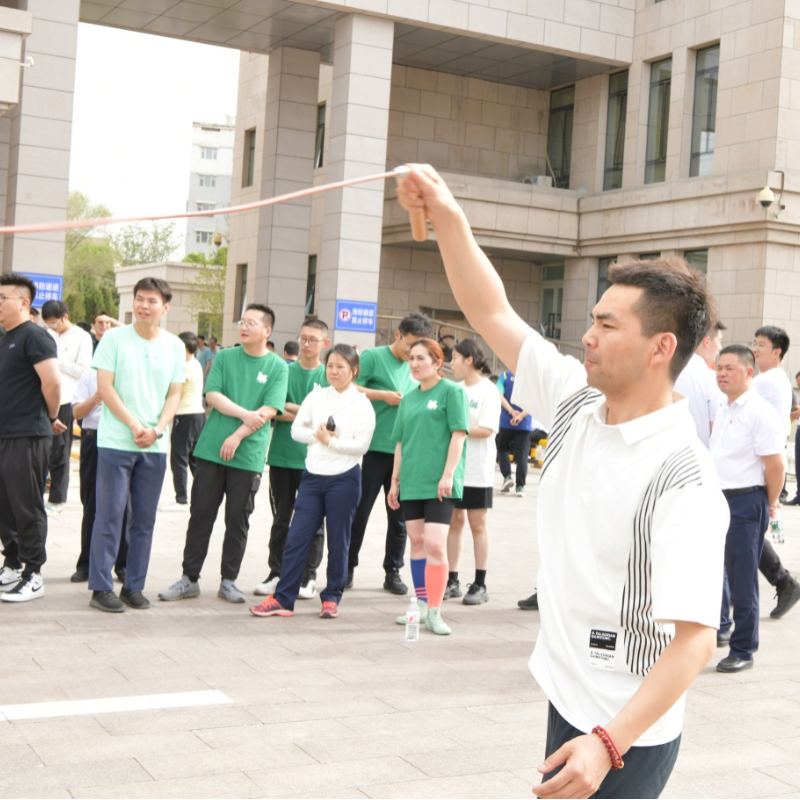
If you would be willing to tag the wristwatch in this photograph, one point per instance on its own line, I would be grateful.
(159, 434)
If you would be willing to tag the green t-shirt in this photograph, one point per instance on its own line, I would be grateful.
(143, 371)
(379, 369)
(250, 382)
(283, 450)
(424, 425)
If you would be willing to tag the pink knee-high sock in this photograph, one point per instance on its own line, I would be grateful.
(436, 582)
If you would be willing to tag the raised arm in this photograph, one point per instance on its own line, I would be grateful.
(476, 285)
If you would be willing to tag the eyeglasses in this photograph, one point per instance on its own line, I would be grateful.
(4, 297)
(308, 340)
(756, 345)
(249, 324)
(51, 325)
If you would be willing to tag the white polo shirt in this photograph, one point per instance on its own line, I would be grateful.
(74, 358)
(699, 383)
(746, 430)
(631, 525)
(484, 412)
(86, 388)
(774, 386)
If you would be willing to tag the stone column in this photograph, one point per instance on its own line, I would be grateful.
(359, 118)
(40, 138)
(280, 274)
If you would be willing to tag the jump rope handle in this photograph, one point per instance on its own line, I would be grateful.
(419, 224)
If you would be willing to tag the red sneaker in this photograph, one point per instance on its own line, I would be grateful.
(270, 608)
(329, 610)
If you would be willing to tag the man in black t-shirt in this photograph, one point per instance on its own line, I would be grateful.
(29, 404)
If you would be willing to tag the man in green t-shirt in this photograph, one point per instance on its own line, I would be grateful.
(246, 388)
(287, 459)
(140, 375)
(384, 377)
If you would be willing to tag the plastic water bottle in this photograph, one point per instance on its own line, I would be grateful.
(412, 621)
(776, 526)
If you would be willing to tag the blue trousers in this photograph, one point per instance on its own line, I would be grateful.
(743, 545)
(121, 474)
(334, 499)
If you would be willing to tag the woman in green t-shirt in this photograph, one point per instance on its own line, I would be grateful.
(430, 431)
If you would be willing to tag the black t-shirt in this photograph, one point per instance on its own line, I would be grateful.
(23, 411)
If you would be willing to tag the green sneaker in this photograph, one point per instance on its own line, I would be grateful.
(435, 623)
(423, 614)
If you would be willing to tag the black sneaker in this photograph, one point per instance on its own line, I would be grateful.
(349, 584)
(134, 599)
(787, 598)
(394, 582)
(476, 594)
(79, 576)
(107, 601)
(529, 603)
(453, 589)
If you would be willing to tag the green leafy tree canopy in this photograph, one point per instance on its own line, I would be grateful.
(207, 298)
(140, 244)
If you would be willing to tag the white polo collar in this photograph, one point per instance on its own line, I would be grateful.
(643, 427)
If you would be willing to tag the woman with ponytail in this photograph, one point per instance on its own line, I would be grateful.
(470, 365)
(428, 476)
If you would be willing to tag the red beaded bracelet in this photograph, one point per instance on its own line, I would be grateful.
(613, 753)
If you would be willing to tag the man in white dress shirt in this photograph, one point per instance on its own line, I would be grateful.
(627, 489)
(748, 446)
(770, 346)
(74, 358)
(699, 384)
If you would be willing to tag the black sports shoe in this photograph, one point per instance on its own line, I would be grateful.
(476, 594)
(107, 601)
(394, 582)
(79, 576)
(787, 598)
(349, 584)
(529, 603)
(134, 599)
(453, 589)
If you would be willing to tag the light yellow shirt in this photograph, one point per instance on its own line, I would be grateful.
(192, 394)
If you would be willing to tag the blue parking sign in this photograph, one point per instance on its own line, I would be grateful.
(48, 287)
(355, 315)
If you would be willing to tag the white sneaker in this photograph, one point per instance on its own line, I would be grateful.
(268, 587)
(30, 588)
(54, 509)
(308, 589)
(9, 578)
(175, 507)
(508, 484)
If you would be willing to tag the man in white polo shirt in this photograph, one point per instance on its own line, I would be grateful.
(699, 384)
(747, 445)
(626, 491)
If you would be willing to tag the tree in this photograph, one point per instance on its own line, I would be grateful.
(137, 244)
(89, 261)
(207, 299)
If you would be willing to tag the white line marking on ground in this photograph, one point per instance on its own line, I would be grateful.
(105, 705)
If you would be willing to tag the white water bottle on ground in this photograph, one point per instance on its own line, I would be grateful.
(776, 526)
(412, 621)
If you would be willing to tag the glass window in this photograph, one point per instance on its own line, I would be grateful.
(602, 275)
(208, 152)
(319, 155)
(658, 121)
(559, 135)
(248, 171)
(204, 237)
(553, 273)
(240, 295)
(206, 206)
(704, 116)
(311, 285)
(615, 130)
(698, 259)
(208, 181)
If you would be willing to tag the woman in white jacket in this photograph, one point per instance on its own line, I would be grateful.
(337, 424)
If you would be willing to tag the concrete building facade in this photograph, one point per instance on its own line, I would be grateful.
(574, 133)
(209, 184)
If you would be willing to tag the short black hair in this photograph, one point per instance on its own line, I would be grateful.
(744, 354)
(269, 314)
(84, 326)
(291, 349)
(35, 312)
(23, 281)
(201, 338)
(101, 313)
(347, 352)
(777, 336)
(54, 309)
(313, 322)
(189, 340)
(154, 285)
(417, 324)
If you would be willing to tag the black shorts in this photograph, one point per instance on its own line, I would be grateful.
(476, 497)
(437, 511)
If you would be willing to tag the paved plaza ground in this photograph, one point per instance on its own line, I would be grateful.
(339, 708)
